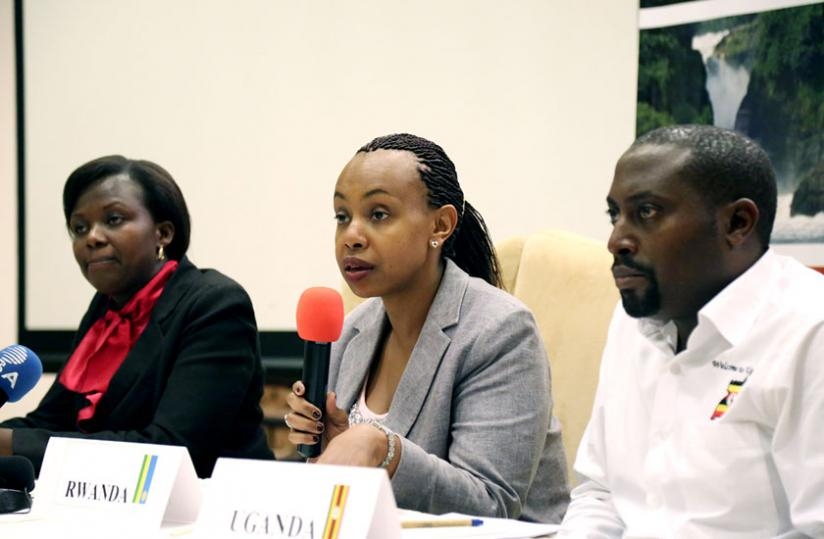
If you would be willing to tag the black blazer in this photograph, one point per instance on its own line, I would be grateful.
(193, 378)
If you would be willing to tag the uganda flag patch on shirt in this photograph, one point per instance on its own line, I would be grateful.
(733, 388)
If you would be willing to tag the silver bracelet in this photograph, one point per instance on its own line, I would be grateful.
(390, 443)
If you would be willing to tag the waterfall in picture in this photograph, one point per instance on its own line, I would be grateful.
(726, 84)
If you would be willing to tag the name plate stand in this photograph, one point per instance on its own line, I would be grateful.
(129, 486)
(246, 498)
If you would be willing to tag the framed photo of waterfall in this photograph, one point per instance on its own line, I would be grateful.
(756, 66)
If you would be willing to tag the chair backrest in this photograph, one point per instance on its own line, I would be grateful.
(565, 280)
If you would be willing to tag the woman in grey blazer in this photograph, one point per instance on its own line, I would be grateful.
(441, 377)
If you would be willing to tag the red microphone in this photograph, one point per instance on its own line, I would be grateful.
(320, 320)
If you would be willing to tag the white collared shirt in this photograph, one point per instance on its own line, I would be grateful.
(726, 438)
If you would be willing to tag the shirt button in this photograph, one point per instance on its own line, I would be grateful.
(675, 369)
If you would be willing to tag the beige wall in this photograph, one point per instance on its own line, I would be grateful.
(8, 207)
(8, 179)
(256, 106)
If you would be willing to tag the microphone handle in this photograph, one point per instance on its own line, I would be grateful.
(315, 378)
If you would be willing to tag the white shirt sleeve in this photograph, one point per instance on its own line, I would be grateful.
(798, 442)
(591, 512)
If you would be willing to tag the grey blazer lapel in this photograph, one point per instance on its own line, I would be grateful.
(357, 357)
(429, 351)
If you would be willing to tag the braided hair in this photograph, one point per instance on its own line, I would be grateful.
(469, 246)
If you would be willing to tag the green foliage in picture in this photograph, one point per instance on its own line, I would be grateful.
(670, 80)
(785, 99)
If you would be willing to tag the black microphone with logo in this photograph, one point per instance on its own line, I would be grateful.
(20, 370)
(320, 320)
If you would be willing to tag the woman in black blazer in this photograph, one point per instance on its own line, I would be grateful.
(167, 353)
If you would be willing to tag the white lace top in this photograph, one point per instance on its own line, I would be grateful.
(360, 412)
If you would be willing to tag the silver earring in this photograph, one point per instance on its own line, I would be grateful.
(160, 254)
(433, 243)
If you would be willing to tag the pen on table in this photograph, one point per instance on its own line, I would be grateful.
(441, 523)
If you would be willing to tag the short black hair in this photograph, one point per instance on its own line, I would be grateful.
(469, 246)
(161, 194)
(723, 166)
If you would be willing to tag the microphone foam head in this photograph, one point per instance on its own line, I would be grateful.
(320, 314)
(20, 369)
(16, 473)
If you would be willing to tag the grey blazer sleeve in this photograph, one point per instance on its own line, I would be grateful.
(499, 433)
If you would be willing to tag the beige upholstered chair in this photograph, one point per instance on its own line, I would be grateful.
(565, 280)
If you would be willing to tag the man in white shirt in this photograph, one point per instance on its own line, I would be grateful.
(709, 415)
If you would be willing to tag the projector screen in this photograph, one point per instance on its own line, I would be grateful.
(255, 106)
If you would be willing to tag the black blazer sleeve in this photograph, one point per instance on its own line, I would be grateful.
(193, 379)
